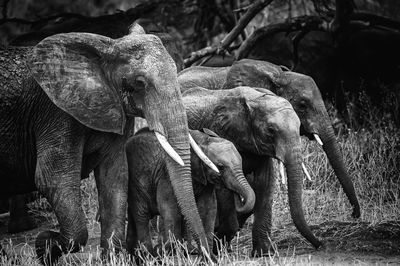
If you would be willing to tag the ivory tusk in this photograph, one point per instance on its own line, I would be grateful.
(306, 171)
(316, 137)
(201, 155)
(168, 149)
(282, 172)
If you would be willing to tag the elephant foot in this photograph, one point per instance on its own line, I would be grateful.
(48, 248)
(20, 225)
(356, 212)
(262, 250)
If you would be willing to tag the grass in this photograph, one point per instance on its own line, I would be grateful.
(371, 151)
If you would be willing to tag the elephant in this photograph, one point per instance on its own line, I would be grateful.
(67, 106)
(150, 192)
(262, 126)
(300, 90)
(19, 218)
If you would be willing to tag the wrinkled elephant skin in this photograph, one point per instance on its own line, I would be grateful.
(65, 110)
(261, 125)
(150, 191)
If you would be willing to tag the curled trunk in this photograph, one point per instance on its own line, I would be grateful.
(244, 190)
(335, 158)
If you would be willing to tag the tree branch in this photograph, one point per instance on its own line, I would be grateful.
(344, 9)
(222, 48)
(33, 22)
(375, 20)
(253, 10)
(304, 23)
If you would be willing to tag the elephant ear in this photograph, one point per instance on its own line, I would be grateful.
(68, 67)
(136, 29)
(233, 120)
(253, 73)
(210, 133)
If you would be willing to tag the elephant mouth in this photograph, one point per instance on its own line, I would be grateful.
(239, 200)
(304, 132)
(131, 108)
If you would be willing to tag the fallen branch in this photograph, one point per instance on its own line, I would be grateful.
(304, 23)
(222, 48)
(42, 20)
(375, 20)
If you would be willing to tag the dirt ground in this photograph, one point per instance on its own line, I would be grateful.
(346, 243)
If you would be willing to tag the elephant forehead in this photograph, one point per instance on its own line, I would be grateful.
(223, 149)
(303, 84)
(285, 116)
(273, 103)
(143, 42)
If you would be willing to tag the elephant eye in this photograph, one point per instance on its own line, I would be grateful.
(302, 105)
(140, 83)
(137, 86)
(270, 131)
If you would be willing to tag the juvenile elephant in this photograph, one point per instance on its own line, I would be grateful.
(262, 126)
(67, 107)
(300, 90)
(150, 191)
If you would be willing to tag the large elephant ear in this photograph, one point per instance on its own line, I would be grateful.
(210, 133)
(68, 68)
(253, 73)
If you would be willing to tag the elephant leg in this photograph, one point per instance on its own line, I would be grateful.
(142, 232)
(207, 205)
(112, 185)
(169, 211)
(131, 234)
(264, 189)
(227, 222)
(138, 232)
(19, 216)
(58, 179)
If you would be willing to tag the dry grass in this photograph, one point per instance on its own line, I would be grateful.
(372, 154)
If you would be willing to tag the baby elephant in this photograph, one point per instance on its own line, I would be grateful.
(150, 192)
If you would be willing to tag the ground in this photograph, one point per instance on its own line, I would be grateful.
(346, 243)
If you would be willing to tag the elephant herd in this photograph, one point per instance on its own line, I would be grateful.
(67, 108)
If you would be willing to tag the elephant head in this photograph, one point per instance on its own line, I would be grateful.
(101, 81)
(302, 92)
(259, 123)
(229, 162)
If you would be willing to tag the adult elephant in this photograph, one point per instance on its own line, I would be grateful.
(300, 90)
(67, 107)
(19, 217)
(262, 126)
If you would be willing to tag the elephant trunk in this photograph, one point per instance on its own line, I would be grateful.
(295, 189)
(167, 116)
(331, 149)
(183, 190)
(244, 190)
